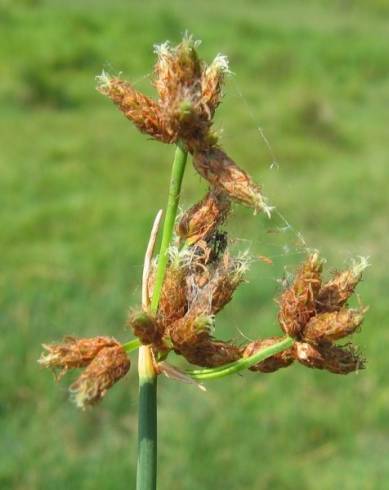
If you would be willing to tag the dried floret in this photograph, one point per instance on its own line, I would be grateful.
(73, 352)
(145, 327)
(144, 112)
(298, 301)
(108, 367)
(338, 360)
(202, 219)
(336, 292)
(327, 327)
(173, 300)
(212, 81)
(214, 165)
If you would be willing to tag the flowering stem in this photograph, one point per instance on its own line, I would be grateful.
(244, 363)
(177, 175)
(147, 420)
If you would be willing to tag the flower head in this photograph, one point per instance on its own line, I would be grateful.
(108, 367)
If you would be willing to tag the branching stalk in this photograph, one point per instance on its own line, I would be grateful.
(147, 420)
(177, 175)
(131, 345)
(244, 363)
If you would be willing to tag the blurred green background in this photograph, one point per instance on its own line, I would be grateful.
(80, 188)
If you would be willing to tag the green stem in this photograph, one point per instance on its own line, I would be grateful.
(244, 363)
(177, 175)
(147, 420)
(131, 345)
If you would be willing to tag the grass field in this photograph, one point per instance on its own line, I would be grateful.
(79, 190)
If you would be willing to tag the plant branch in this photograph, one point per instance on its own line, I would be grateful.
(147, 419)
(244, 363)
(177, 175)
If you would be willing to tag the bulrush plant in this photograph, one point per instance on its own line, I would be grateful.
(194, 276)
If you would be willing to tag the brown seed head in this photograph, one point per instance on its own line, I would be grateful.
(145, 327)
(309, 355)
(211, 353)
(336, 292)
(327, 327)
(223, 174)
(298, 302)
(110, 365)
(177, 72)
(194, 327)
(338, 360)
(229, 274)
(144, 112)
(212, 81)
(342, 360)
(192, 338)
(202, 219)
(74, 352)
(173, 301)
(277, 361)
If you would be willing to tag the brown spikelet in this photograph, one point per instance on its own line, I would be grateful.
(277, 361)
(342, 360)
(338, 360)
(191, 337)
(144, 112)
(173, 301)
(205, 257)
(178, 83)
(228, 275)
(327, 327)
(74, 352)
(193, 328)
(110, 365)
(145, 327)
(224, 174)
(212, 81)
(309, 355)
(335, 293)
(298, 302)
(210, 353)
(202, 219)
(177, 72)
(212, 285)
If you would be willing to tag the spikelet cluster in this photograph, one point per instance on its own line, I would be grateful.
(108, 367)
(202, 275)
(103, 358)
(316, 315)
(195, 289)
(189, 92)
(201, 279)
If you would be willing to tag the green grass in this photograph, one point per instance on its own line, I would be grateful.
(80, 188)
